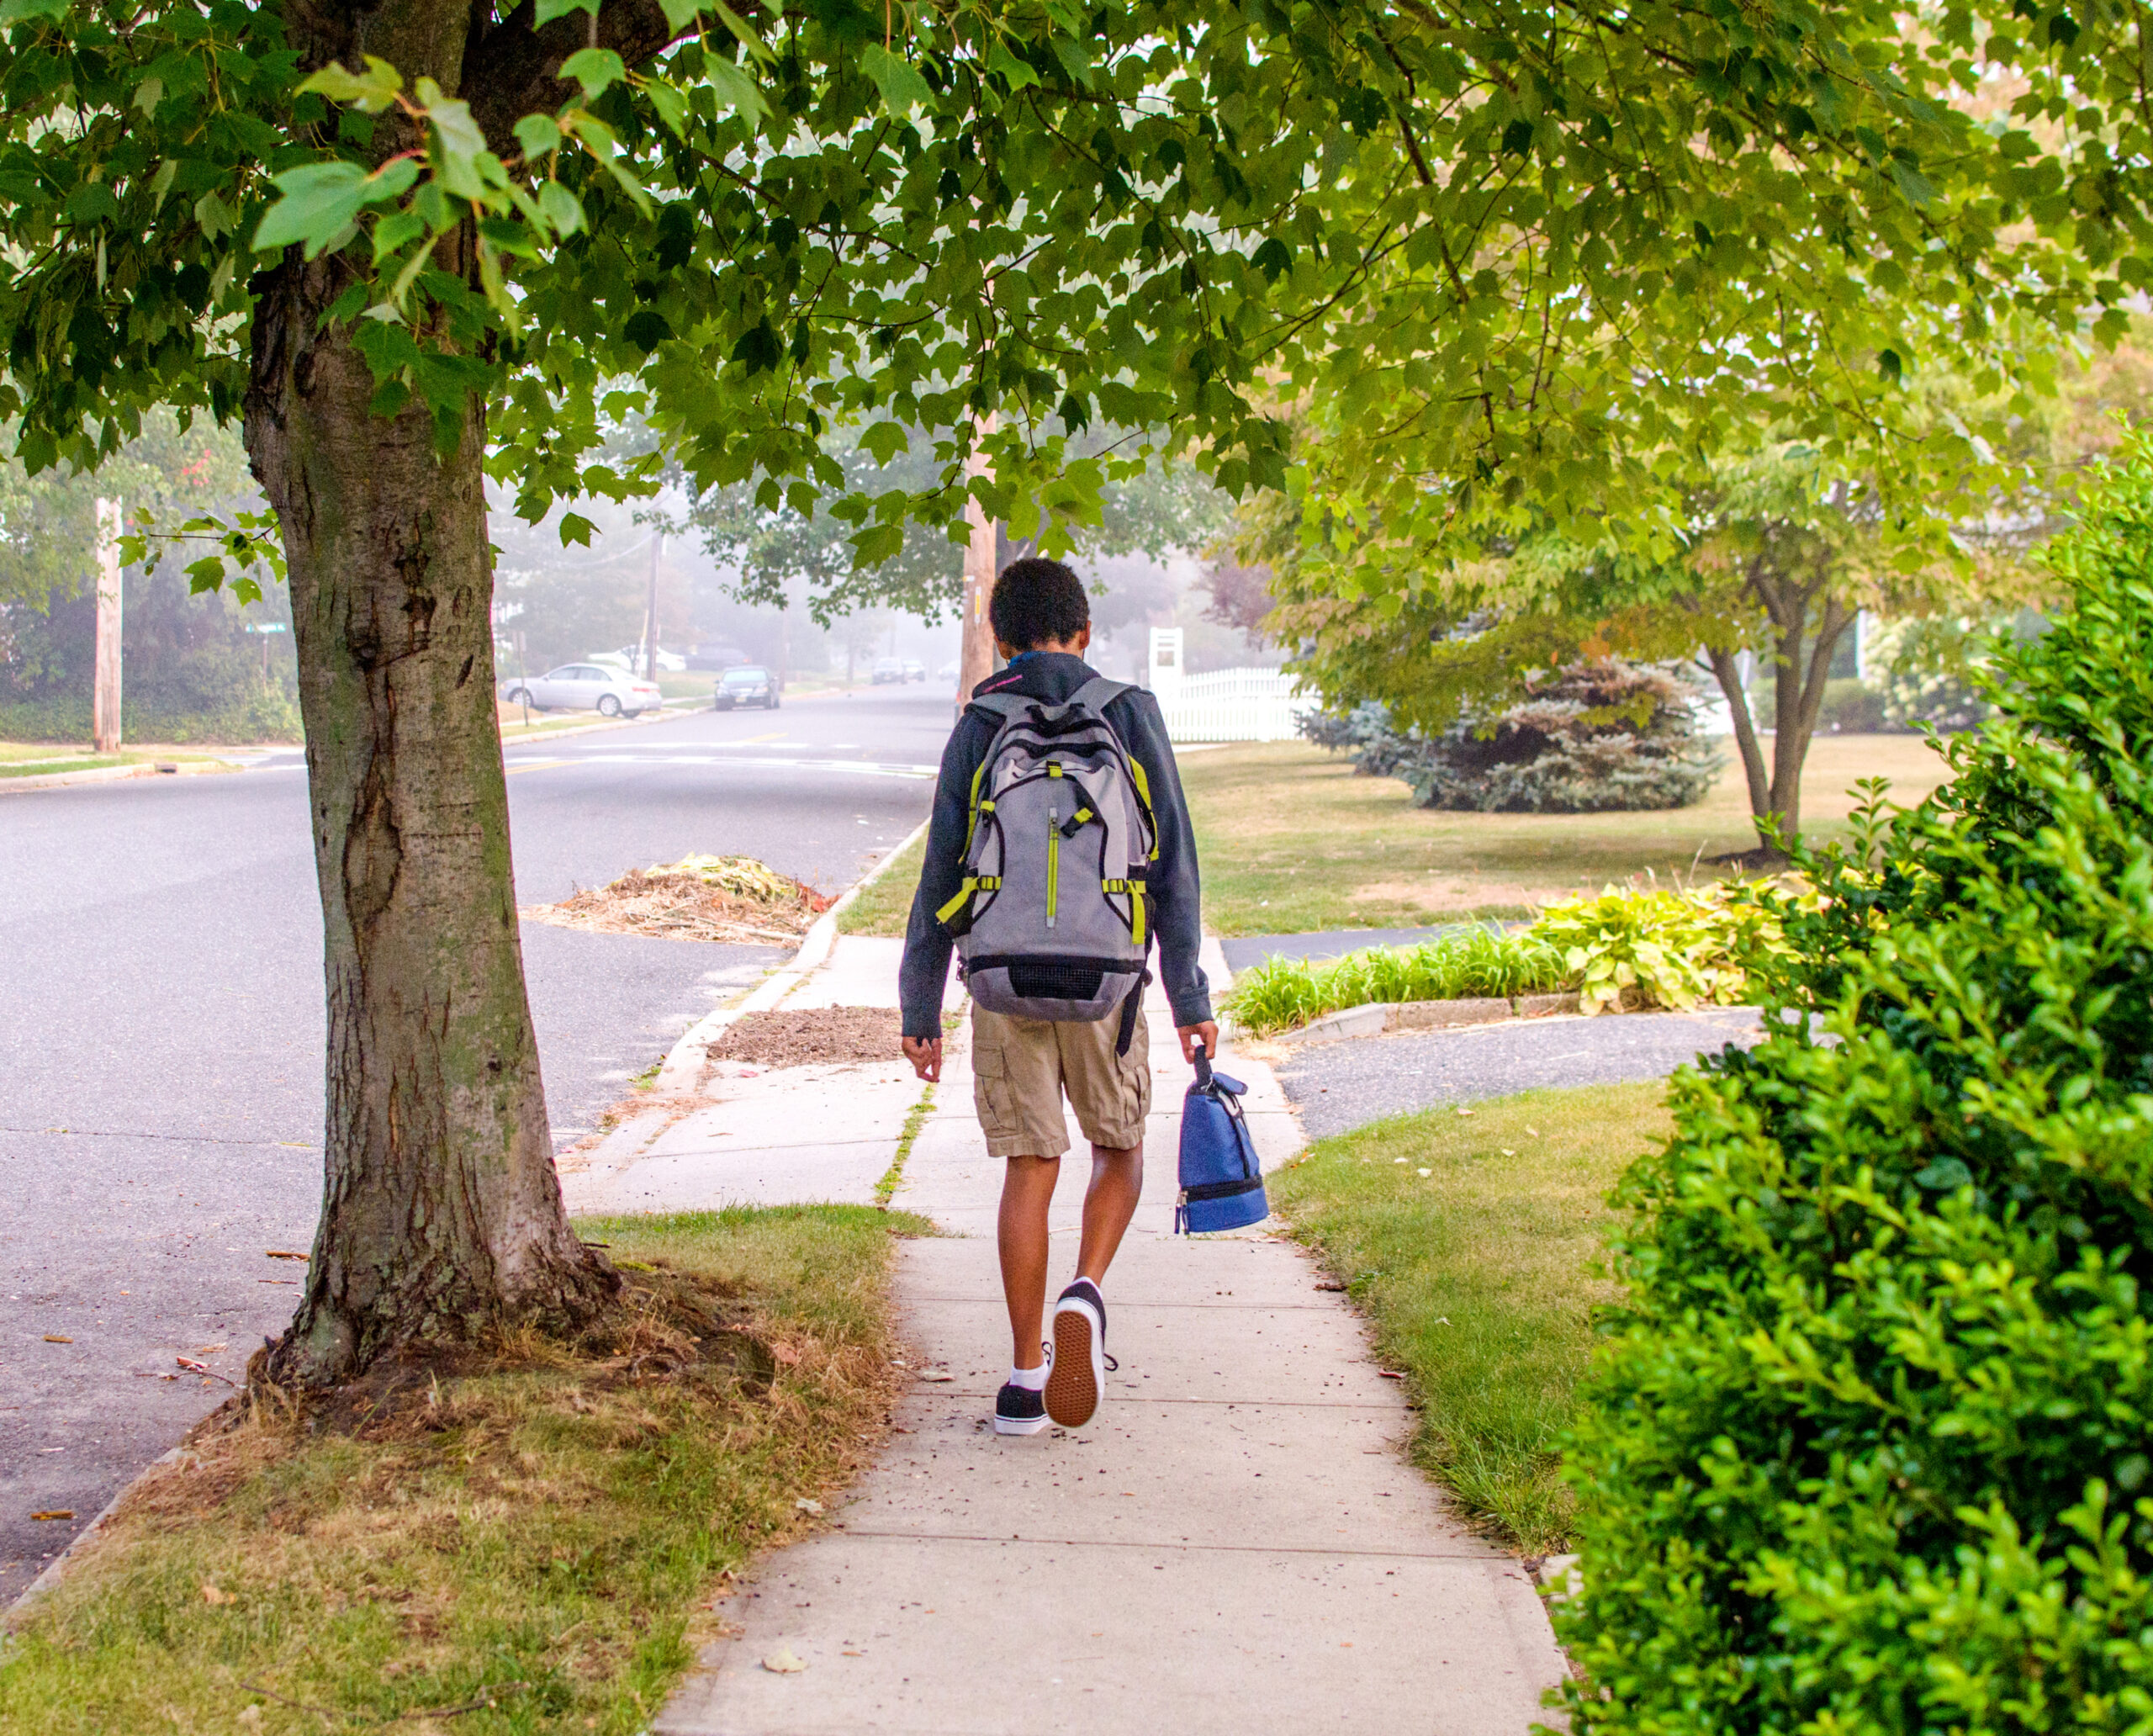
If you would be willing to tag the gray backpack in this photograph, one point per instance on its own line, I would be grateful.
(1051, 921)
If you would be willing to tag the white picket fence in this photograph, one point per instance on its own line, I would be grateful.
(1232, 705)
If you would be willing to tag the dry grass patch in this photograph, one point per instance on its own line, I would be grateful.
(1293, 840)
(525, 1540)
(1474, 1241)
(727, 898)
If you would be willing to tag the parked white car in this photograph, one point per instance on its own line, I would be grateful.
(630, 658)
(585, 687)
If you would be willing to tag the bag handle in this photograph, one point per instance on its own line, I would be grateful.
(1203, 1068)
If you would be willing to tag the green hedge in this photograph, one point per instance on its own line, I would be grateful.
(1868, 1449)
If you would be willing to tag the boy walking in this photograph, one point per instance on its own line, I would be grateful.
(1085, 748)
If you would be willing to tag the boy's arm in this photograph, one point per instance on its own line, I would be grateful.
(926, 966)
(1176, 892)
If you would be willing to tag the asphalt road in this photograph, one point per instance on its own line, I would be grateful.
(161, 1038)
(1342, 1085)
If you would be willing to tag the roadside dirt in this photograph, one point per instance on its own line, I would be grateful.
(720, 898)
(817, 1036)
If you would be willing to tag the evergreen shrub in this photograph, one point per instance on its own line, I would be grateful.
(1869, 1447)
(1595, 738)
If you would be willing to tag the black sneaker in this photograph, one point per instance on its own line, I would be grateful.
(1080, 1355)
(1018, 1410)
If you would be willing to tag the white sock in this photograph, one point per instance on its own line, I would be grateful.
(1031, 1379)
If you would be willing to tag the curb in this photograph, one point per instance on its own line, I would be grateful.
(55, 1569)
(114, 774)
(683, 1065)
(1378, 1016)
(660, 715)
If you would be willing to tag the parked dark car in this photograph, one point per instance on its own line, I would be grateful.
(715, 656)
(751, 684)
(888, 669)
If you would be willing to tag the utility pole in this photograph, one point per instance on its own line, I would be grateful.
(104, 695)
(650, 614)
(975, 659)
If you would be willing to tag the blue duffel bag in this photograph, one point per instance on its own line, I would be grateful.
(1221, 1179)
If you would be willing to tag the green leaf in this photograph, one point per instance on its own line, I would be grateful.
(549, 10)
(876, 543)
(561, 210)
(1943, 1175)
(735, 89)
(903, 88)
(1913, 184)
(538, 134)
(370, 92)
(746, 37)
(679, 14)
(14, 11)
(575, 528)
(595, 69)
(319, 199)
(91, 202)
(149, 94)
(884, 440)
(671, 105)
(459, 145)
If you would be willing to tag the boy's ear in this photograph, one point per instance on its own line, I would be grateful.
(1084, 639)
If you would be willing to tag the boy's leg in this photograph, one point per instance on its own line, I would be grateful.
(1016, 1090)
(1109, 1202)
(1021, 1234)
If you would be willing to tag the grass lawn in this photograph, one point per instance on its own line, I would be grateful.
(886, 906)
(529, 1545)
(1481, 1275)
(1293, 840)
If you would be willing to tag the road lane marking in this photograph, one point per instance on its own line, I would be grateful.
(516, 765)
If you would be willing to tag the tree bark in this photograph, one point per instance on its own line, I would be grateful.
(440, 1208)
(1801, 666)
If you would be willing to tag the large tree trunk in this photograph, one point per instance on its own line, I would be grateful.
(440, 1209)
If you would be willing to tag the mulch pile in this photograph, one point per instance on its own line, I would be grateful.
(723, 898)
(817, 1036)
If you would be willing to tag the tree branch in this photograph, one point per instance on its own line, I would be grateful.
(513, 71)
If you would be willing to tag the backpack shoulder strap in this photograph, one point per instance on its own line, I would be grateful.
(1097, 694)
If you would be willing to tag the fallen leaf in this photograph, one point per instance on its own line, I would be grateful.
(1463, 1110)
(54, 1338)
(936, 1374)
(214, 1598)
(209, 1349)
(786, 1354)
(277, 1254)
(1506, 1151)
(1330, 1284)
(782, 1662)
(805, 1505)
(55, 1513)
(1391, 1373)
(1533, 1133)
(1427, 1172)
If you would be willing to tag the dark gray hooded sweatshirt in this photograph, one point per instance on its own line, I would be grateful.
(1176, 898)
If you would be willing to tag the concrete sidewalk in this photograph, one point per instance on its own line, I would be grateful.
(1234, 1543)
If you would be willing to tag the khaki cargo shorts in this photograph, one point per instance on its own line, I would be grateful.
(1021, 1066)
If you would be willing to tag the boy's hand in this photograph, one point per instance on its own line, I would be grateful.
(1206, 1033)
(925, 1054)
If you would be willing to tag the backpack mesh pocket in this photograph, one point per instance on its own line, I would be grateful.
(1055, 979)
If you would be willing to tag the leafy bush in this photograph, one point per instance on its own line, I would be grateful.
(1868, 1449)
(1598, 737)
(1635, 950)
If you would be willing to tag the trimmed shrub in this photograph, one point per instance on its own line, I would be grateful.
(1867, 1446)
(1598, 737)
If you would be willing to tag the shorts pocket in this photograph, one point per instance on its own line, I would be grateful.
(994, 1097)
